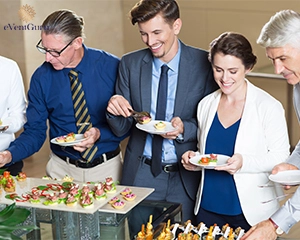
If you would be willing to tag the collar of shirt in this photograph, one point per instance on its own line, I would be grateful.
(83, 64)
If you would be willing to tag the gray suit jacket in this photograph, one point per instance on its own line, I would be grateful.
(195, 81)
(289, 214)
(295, 156)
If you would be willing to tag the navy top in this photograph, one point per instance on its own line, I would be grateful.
(219, 190)
(50, 98)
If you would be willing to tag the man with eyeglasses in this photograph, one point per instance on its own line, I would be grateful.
(70, 92)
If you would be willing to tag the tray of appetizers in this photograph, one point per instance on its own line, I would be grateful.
(188, 231)
(66, 195)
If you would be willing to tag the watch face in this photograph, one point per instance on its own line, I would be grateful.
(279, 231)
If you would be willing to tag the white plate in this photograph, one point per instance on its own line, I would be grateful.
(222, 161)
(149, 127)
(290, 177)
(3, 125)
(79, 138)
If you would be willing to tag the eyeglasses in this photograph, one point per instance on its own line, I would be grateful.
(54, 53)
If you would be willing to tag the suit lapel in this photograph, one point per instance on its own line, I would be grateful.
(146, 82)
(183, 83)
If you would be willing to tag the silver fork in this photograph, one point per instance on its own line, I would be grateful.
(273, 199)
(269, 185)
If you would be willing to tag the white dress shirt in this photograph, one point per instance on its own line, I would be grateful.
(12, 100)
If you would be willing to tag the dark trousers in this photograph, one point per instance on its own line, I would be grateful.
(211, 218)
(168, 187)
(14, 169)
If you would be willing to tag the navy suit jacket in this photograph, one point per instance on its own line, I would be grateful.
(195, 80)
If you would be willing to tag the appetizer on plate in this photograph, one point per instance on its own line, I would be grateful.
(109, 185)
(35, 198)
(99, 193)
(118, 204)
(8, 182)
(141, 234)
(86, 201)
(71, 201)
(160, 125)
(145, 119)
(113, 200)
(126, 191)
(62, 196)
(86, 190)
(129, 196)
(21, 177)
(52, 199)
(67, 178)
(70, 137)
(209, 160)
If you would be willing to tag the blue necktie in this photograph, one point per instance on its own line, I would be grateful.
(161, 105)
(81, 113)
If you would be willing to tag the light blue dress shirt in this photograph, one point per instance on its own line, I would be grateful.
(168, 150)
(289, 214)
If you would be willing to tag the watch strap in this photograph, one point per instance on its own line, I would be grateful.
(278, 230)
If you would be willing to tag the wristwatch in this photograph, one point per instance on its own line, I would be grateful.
(278, 230)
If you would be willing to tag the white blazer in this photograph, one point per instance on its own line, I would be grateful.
(262, 140)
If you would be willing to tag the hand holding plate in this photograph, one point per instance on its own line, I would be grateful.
(177, 123)
(233, 164)
(283, 167)
(185, 160)
(91, 136)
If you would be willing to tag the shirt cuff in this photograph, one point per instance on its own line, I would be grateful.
(283, 219)
(180, 138)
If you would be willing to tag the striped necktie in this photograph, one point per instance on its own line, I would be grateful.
(82, 115)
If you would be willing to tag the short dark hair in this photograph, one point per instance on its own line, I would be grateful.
(64, 22)
(233, 44)
(145, 10)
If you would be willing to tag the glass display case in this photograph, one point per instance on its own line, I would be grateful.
(55, 224)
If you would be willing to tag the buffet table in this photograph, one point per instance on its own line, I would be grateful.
(100, 221)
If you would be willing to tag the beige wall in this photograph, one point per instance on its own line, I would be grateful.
(205, 20)
(108, 28)
(103, 30)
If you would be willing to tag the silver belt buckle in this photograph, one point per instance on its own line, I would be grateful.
(166, 166)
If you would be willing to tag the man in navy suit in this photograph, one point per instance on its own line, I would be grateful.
(189, 80)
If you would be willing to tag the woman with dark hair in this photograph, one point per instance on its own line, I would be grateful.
(246, 123)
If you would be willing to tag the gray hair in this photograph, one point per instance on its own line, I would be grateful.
(283, 28)
(64, 22)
